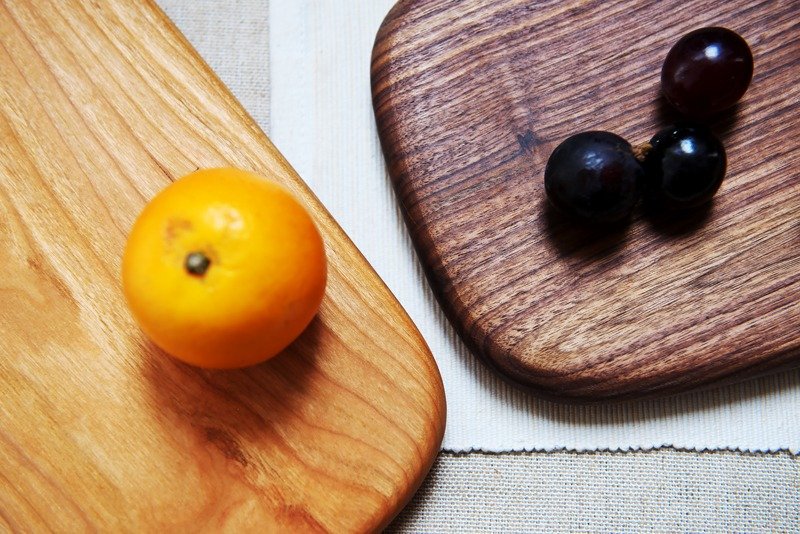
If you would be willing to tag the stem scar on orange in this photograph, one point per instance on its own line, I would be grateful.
(224, 269)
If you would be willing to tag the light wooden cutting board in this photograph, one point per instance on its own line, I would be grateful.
(472, 96)
(102, 104)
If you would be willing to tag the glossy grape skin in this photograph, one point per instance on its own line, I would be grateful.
(706, 71)
(685, 166)
(594, 176)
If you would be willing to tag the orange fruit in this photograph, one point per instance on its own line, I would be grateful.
(224, 269)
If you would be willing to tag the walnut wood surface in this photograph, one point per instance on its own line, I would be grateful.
(472, 96)
(101, 105)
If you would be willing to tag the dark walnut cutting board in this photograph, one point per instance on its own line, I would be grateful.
(102, 104)
(471, 97)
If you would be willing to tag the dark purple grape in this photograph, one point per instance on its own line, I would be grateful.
(594, 176)
(684, 167)
(707, 70)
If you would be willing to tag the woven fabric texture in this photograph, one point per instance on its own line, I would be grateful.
(657, 491)
(232, 36)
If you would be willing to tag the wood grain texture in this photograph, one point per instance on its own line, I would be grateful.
(472, 96)
(102, 104)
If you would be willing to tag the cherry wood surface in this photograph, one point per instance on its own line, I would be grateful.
(102, 104)
(471, 97)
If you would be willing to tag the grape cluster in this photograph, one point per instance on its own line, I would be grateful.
(599, 177)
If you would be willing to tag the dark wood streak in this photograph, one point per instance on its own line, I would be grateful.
(471, 97)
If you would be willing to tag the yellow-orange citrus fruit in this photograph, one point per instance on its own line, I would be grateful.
(224, 269)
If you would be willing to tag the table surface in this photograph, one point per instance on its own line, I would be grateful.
(539, 491)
